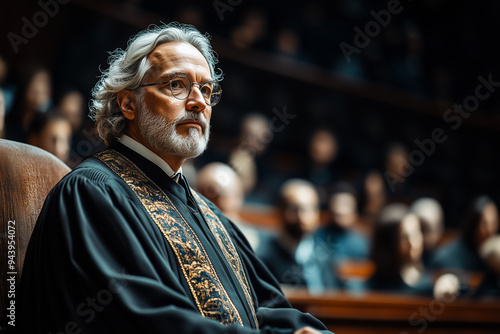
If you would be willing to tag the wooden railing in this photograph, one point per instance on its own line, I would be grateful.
(345, 313)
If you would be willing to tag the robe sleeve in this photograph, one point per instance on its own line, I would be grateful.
(273, 309)
(95, 264)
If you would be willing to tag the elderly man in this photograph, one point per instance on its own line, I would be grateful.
(123, 244)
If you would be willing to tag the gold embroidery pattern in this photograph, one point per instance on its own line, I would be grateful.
(228, 249)
(210, 296)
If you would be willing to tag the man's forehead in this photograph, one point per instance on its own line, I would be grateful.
(178, 56)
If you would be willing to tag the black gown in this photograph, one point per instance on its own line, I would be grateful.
(99, 262)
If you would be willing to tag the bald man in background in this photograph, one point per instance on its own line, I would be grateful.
(222, 186)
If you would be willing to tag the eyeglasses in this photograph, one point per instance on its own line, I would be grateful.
(181, 86)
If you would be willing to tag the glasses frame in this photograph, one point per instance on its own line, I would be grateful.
(219, 93)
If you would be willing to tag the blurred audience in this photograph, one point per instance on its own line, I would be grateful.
(480, 222)
(320, 169)
(52, 132)
(3, 70)
(398, 171)
(2, 114)
(246, 158)
(431, 216)
(392, 212)
(408, 68)
(299, 212)
(251, 30)
(397, 254)
(288, 44)
(220, 184)
(406, 241)
(373, 198)
(8, 89)
(490, 284)
(340, 238)
(71, 106)
(33, 95)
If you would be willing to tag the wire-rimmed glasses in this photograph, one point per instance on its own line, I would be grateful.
(181, 86)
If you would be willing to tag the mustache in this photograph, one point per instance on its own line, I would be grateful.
(192, 116)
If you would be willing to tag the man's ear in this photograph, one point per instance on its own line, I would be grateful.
(126, 102)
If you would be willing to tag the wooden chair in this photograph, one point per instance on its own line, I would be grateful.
(27, 174)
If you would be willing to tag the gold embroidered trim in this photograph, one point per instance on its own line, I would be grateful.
(208, 292)
(228, 249)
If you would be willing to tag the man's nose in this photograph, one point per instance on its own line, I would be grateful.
(195, 99)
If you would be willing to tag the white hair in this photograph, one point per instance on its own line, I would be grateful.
(128, 68)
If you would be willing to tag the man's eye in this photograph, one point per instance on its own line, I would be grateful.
(176, 84)
(206, 90)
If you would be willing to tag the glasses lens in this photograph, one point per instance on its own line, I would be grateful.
(216, 94)
(180, 86)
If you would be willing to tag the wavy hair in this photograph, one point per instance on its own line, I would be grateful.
(128, 68)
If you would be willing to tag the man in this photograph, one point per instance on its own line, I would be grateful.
(123, 245)
(340, 234)
(220, 184)
(291, 255)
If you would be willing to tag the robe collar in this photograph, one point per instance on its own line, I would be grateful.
(156, 173)
(150, 155)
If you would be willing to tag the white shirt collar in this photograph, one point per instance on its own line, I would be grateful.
(148, 154)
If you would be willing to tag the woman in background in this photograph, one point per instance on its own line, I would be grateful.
(397, 254)
(480, 223)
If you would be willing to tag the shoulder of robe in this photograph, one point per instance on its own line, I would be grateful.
(91, 174)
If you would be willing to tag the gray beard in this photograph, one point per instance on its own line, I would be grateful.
(163, 136)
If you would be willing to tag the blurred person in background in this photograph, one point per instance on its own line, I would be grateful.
(247, 158)
(71, 106)
(397, 249)
(2, 114)
(373, 198)
(251, 30)
(3, 70)
(320, 169)
(220, 184)
(33, 95)
(490, 284)
(340, 236)
(430, 213)
(397, 172)
(288, 44)
(51, 132)
(395, 211)
(480, 222)
(298, 206)
(8, 89)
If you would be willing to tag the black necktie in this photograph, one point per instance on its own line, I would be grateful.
(182, 181)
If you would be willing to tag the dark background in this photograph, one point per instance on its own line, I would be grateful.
(395, 90)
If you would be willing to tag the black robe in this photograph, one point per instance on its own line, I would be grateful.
(98, 263)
